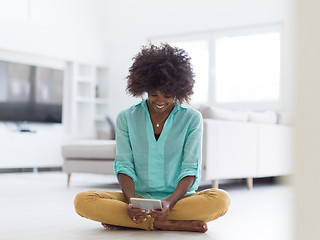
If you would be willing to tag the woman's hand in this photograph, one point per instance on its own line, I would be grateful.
(163, 214)
(138, 215)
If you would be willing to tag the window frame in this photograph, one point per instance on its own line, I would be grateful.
(211, 37)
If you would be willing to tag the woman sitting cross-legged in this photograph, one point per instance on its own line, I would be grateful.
(158, 152)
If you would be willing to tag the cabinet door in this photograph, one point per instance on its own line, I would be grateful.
(23, 150)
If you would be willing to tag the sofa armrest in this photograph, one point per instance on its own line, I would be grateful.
(275, 150)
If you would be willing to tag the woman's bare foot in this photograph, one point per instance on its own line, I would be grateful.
(187, 225)
(115, 227)
(111, 227)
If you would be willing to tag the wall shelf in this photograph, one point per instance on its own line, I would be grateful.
(83, 99)
(100, 118)
(101, 101)
(84, 80)
(87, 100)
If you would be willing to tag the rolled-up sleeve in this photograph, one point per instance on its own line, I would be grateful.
(192, 152)
(124, 158)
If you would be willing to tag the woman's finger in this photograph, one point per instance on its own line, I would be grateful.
(141, 219)
(138, 212)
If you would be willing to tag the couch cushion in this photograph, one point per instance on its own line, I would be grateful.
(89, 149)
(285, 118)
(223, 114)
(263, 117)
(107, 129)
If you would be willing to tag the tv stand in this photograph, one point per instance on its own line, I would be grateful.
(25, 130)
(31, 146)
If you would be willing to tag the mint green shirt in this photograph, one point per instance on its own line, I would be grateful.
(156, 167)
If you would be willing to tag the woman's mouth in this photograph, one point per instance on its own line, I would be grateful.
(159, 106)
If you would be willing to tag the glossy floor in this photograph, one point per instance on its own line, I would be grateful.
(40, 206)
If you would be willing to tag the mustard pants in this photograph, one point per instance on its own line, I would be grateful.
(111, 207)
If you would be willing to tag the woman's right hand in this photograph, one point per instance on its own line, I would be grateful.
(138, 215)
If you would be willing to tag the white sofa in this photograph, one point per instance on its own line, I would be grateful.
(245, 145)
(236, 144)
(93, 155)
(88, 156)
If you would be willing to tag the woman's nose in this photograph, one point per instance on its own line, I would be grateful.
(160, 100)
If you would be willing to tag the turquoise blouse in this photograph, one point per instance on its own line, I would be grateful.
(156, 167)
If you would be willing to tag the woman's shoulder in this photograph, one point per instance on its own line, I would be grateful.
(190, 111)
(131, 111)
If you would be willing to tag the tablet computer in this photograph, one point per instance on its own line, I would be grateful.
(147, 204)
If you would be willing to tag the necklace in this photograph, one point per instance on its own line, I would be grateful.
(157, 124)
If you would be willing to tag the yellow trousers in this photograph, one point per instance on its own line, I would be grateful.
(111, 207)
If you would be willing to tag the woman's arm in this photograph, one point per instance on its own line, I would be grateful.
(126, 185)
(182, 188)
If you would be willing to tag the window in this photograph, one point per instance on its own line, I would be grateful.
(199, 53)
(248, 68)
(238, 68)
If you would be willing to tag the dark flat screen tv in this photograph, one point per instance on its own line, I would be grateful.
(30, 93)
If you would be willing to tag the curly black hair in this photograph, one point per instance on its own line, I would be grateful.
(164, 68)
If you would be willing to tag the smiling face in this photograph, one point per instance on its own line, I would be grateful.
(160, 103)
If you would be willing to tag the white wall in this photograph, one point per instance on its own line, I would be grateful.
(47, 33)
(112, 32)
(133, 22)
(307, 154)
(66, 30)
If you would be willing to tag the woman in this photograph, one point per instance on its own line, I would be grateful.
(158, 152)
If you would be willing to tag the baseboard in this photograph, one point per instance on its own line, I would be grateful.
(30, 169)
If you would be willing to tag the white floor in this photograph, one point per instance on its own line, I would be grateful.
(40, 206)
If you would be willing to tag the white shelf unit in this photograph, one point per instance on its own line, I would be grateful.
(101, 100)
(87, 104)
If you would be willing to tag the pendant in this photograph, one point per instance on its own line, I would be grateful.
(157, 125)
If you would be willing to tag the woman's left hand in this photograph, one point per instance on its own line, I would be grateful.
(163, 214)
